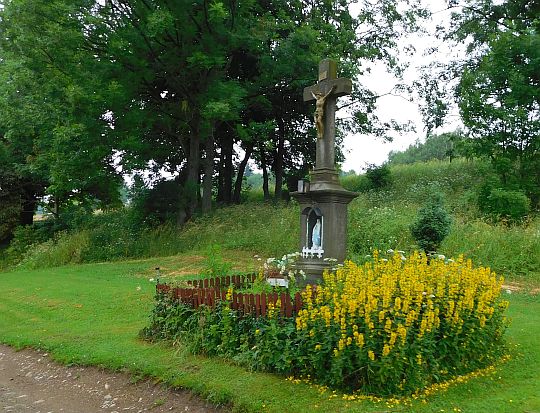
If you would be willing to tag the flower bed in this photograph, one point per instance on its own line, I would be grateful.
(388, 327)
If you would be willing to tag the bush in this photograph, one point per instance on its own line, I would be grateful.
(504, 204)
(389, 327)
(432, 224)
(379, 176)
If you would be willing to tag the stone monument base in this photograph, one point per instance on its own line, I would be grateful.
(313, 268)
(325, 202)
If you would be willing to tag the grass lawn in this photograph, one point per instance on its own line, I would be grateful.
(91, 314)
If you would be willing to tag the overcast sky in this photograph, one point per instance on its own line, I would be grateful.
(362, 149)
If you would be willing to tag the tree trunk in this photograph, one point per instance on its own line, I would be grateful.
(208, 172)
(240, 174)
(227, 149)
(28, 207)
(278, 164)
(266, 192)
(191, 186)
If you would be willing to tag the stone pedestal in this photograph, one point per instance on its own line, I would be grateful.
(324, 200)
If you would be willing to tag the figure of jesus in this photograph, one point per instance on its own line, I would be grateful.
(320, 99)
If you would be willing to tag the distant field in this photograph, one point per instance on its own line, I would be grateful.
(92, 313)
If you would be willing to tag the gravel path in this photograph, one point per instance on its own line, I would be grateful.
(31, 382)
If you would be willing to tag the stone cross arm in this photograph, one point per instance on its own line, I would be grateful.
(342, 87)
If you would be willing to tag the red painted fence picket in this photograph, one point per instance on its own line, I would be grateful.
(210, 294)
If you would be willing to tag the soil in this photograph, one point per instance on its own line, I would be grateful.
(31, 382)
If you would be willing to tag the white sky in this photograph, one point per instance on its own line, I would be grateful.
(363, 149)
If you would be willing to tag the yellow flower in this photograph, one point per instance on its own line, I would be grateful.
(229, 294)
(386, 350)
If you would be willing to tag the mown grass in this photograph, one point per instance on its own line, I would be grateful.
(91, 314)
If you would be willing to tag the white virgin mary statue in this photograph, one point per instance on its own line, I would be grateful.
(316, 235)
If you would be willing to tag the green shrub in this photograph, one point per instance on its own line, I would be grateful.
(379, 176)
(432, 224)
(215, 266)
(504, 204)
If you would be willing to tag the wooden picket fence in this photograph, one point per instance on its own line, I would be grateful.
(238, 281)
(258, 305)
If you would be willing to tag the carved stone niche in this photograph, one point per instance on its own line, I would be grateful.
(330, 208)
(314, 239)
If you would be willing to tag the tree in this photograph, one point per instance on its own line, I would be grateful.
(432, 224)
(50, 107)
(498, 88)
(173, 88)
(443, 146)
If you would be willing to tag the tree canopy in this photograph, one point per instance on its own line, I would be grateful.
(498, 87)
(97, 89)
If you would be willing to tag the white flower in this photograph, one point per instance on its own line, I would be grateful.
(390, 251)
(151, 280)
(441, 257)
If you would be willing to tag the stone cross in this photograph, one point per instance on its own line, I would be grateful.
(325, 92)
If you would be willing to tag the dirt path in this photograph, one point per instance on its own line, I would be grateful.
(31, 382)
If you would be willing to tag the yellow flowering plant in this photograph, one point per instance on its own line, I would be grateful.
(395, 325)
(389, 327)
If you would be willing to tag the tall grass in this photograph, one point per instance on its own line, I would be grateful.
(377, 219)
(511, 251)
(268, 229)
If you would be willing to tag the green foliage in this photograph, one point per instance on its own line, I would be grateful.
(372, 226)
(93, 86)
(215, 266)
(497, 87)
(379, 176)
(432, 224)
(512, 251)
(112, 235)
(503, 204)
(355, 183)
(159, 204)
(440, 147)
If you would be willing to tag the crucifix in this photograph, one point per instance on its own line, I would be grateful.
(323, 202)
(325, 93)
